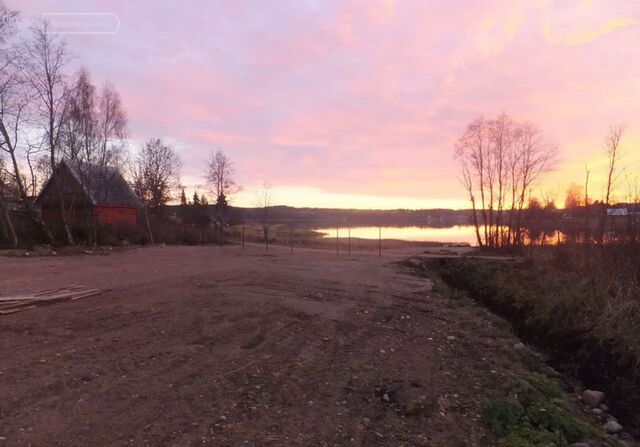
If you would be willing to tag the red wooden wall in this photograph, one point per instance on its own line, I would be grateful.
(115, 215)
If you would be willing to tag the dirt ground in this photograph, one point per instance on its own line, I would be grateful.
(224, 347)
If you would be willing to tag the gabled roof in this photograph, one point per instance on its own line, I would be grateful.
(103, 186)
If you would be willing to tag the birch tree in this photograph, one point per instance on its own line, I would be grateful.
(46, 57)
(155, 172)
(500, 160)
(220, 175)
(16, 97)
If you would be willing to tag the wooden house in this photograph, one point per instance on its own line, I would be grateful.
(90, 192)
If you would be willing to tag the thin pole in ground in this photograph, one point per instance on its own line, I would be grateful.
(291, 239)
(337, 242)
(266, 238)
(243, 237)
(349, 240)
(379, 242)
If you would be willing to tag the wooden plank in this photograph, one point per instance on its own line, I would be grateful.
(12, 311)
(16, 298)
(38, 298)
(32, 296)
(56, 291)
(17, 303)
(86, 294)
(13, 305)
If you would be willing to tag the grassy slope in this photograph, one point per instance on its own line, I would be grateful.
(568, 311)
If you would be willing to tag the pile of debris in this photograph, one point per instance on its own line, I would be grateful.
(18, 303)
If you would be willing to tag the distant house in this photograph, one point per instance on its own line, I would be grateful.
(617, 212)
(101, 194)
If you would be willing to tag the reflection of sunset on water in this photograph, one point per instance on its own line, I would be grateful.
(456, 234)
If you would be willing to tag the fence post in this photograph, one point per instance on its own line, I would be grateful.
(243, 237)
(291, 239)
(337, 242)
(349, 240)
(266, 238)
(379, 242)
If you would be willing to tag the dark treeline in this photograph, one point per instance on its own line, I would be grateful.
(356, 217)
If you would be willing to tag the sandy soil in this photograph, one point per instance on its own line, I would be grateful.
(219, 346)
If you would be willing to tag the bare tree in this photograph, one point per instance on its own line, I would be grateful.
(15, 99)
(8, 229)
(471, 152)
(501, 134)
(96, 126)
(466, 179)
(220, 177)
(111, 127)
(43, 69)
(537, 158)
(6, 17)
(79, 127)
(613, 154)
(264, 202)
(612, 151)
(94, 134)
(500, 160)
(155, 173)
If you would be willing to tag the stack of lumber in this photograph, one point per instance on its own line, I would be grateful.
(17, 303)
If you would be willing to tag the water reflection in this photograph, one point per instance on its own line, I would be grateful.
(465, 234)
(456, 234)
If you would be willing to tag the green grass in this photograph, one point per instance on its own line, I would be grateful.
(530, 412)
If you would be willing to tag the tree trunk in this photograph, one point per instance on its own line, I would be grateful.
(146, 218)
(8, 224)
(63, 214)
(475, 222)
(21, 189)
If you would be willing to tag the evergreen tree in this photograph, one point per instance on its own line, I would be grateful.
(221, 202)
(196, 199)
(183, 198)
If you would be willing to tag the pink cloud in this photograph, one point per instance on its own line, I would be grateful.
(363, 97)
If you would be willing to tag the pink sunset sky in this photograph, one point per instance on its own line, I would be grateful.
(359, 103)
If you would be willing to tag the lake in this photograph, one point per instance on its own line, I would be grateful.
(456, 234)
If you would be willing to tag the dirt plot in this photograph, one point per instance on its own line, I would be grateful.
(219, 346)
